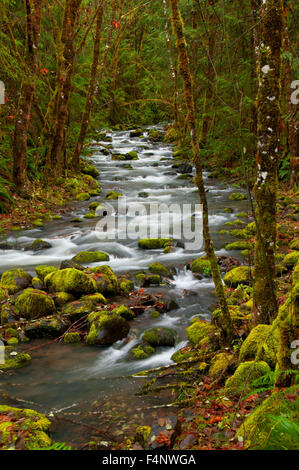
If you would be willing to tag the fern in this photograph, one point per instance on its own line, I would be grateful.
(57, 446)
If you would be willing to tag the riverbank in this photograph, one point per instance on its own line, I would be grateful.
(149, 297)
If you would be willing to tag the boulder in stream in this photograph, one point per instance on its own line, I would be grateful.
(90, 257)
(72, 281)
(34, 303)
(105, 279)
(107, 328)
(15, 280)
(38, 245)
(160, 336)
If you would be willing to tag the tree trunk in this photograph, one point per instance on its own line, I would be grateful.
(178, 26)
(267, 158)
(23, 116)
(91, 89)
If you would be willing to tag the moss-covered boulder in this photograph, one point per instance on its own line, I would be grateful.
(90, 215)
(90, 170)
(83, 197)
(68, 263)
(136, 133)
(72, 338)
(240, 233)
(246, 372)
(43, 270)
(105, 280)
(291, 259)
(237, 197)
(263, 340)
(37, 283)
(154, 243)
(155, 136)
(133, 155)
(201, 265)
(95, 298)
(72, 281)
(113, 195)
(39, 245)
(160, 336)
(198, 330)
(78, 309)
(2, 294)
(13, 359)
(90, 257)
(236, 276)
(171, 135)
(124, 312)
(240, 245)
(33, 303)
(49, 327)
(23, 428)
(106, 329)
(142, 352)
(126, 286)
(62, 298)
(158, 268)
(15, 280)
(274, 424)
(221, 364)
(294, 244)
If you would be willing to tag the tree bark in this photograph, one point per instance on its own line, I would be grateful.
(178, 26)
(267, 158)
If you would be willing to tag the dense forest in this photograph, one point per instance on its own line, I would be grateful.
(152, 102)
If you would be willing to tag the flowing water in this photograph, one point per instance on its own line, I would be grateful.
(97, 385)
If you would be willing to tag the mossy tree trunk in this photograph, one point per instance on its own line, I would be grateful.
(178, 27)
(267, 158)
(23, 116)
(91, 88)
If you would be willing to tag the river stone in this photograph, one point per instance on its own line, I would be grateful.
(107, 328)
(50, 327)
(34, 303)
(185, 168)
(43, 270)
(38, 245)
(90, 257)
(72, 281)
(161, 336)
(105, 279)
(75, 310)
(15, 280)
(68, 263)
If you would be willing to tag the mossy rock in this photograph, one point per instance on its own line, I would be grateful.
(263, 339)
(90, 170)
(95, 298)
(171, 135)
(94, 205)
(294, 244)
(199, 330)
(106, 329)
(68, 263)
(37, 223)
(183, 354)
(291, 259)
(90, 257)
(228, 210)
(39, 245)
(237, 197)
(222, 232)
(76, 220)
(28, 425)
(62, 298)
(142, 352)
(242, 214)
(72, 281)
(251, 228)
(43, 270)
(49, 327)
(235, 222)
(201, 265)
(133, 155)
(154, 243)
(15, 280)
(37, 283)
(240, 245)
(246, 372)
(113, 195)
(56, 217)
(105, 279)
(33, 303)
(263, 430)
(3, 295)
(222, 363)
(295, 275)
(13, 359)
(240, 233)
(155, 136)
(160, 336)
(8, 313)
(153, 280)
(77, 309)
(72, 338)
(158, 268)
(90, 215)
(136, 133)
(140, 279)
(126, 286)
(83, 197)
(124, 312)
(236, 276)
(12, 341)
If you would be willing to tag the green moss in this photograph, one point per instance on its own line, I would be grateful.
(124, 312)
(12, 341)
(291, 259)
(106, 329)
(155, 136)
(72, 281)
(56, 217)
(140, 279)
(14, 361)
(155, 314)
(42, 271)
(142, 434)
(133, 155)
(48, 327)
(95, 298)
(154, 243)
(201, 265)
(71, 338)
(222, 232)
(37, 223)
(90, 215)
(37, 283)
(199, 330)
(160, 336)
(236, 276)
(240, 245)
(78, 309)
(90, 170)
(61, 298)
(142, 352)
(33, 303)
(228, 210)
(26, 424)
(242, 214)
(83, 196)
(90, 257)
(294, 244)
(246, 372)
(153, 279)
(15, 280)
(261, 431)
(262, 339)
(113, 195)
(126, 286)
(219, 363)
(240, 233)
(251, 227)
(105, 279)
(295, 275)
(158, 268)
(2, 294)
(235, 222)
(182, 355)
(94, 205)
(171, 135)
(237, 197)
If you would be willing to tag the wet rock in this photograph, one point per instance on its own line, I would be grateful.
(155, 136)
(185, 168)
(34, 303)
(38, 245)
(50, 327)
(136, 133)
(68, 263)
(90, 257)
(43, 270)
(143, 194)
(106, 329)
(160, 336)
(77, 309)
(72, 281)
(8, 314)
(15, 280)
(105, 279)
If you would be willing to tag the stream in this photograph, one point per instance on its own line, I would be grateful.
(96, 386)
